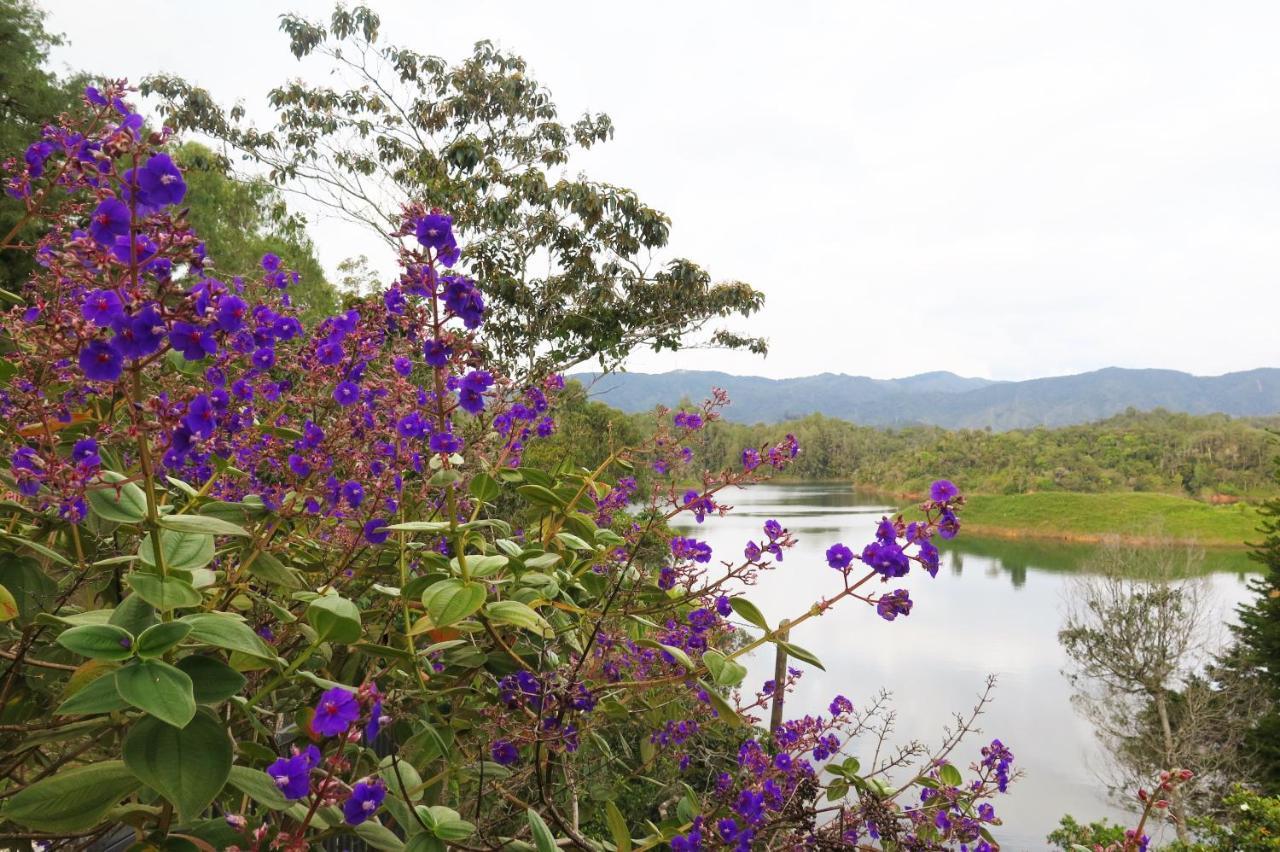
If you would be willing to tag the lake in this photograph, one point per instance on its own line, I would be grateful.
(994, 608)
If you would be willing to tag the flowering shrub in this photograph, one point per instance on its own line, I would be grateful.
(264, 584)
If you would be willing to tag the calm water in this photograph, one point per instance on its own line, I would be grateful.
(994, 608)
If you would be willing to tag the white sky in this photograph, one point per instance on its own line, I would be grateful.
(1007, 190)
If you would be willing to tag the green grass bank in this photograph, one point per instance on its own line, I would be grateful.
(1136, 516)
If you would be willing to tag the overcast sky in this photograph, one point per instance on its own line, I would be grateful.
(1007, 190)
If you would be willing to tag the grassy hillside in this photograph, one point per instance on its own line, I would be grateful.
(1089, 517)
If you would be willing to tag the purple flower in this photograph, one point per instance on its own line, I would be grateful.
(689, 548)
(445, 442)
(366, 797)
(192, 341)
(270, 262)
(750, 461)
(471, 392)
(329, 353)
(943, 491)
(353, 493)
(435, 231)
(299, 465)
(264, 358)
(139, 335)
(402, 365)
(840, 705)
(346, 393)
(723, 606)
(37, 153)
(100, 362)
(201, 416)
(504, 753)
(948, 525)
(160, 182)
(337, 710)
(110, 219)
(928, 556)
(687, 420)
(436, 354)
(375, 721)
(85, 453)
(376, 532)
(839, 556)
(101, 307)
(231, 311)
(893, 604)
(293, 774)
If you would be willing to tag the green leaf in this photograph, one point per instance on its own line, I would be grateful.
(517, 614)
(271, 570)
(617, 827)
(32, 589)
(423, 842)
(800, 654)
(189, 767)
(724, 671)
(257, 785)
(133, 614)
(950, 776)
(749, 611)
(160, 689)
(540, 496)
(543, 839)
(158, 638)
(202, 524)
(572, 541)
(420, 526)
(71, 799)
(443, 478)
(183, 551)
(127, 507)
(335, 618)
(98, 641)
(98, 696)
(212, 680)
(484, 488)
(483, 566)
(164, 593)
(36, 547)
(229, 632)
(450, 601)
(377, 835)
(542, 561)
(722, 708)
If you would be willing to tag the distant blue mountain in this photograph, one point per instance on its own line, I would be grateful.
(945, 399)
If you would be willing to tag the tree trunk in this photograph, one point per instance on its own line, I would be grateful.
(1175, 795)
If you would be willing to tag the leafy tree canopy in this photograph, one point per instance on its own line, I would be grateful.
(564, 260)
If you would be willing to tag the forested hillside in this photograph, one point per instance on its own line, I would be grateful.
(1203, 456)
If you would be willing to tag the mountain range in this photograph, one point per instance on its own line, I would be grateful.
(947, 400)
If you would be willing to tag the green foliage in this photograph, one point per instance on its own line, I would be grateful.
(1193, 455)
(1250, 823)
(1257, 652)
(1070, 834)
(30, 96)
(482, 139)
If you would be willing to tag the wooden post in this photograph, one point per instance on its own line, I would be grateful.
(779, 677)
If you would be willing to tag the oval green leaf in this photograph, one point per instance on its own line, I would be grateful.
(187, 766)
(160, 689)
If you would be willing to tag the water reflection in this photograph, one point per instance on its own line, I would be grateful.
(995, 607)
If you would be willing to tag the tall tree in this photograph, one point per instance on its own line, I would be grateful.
(564, 261)
(30, 96)
(1258, 644)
